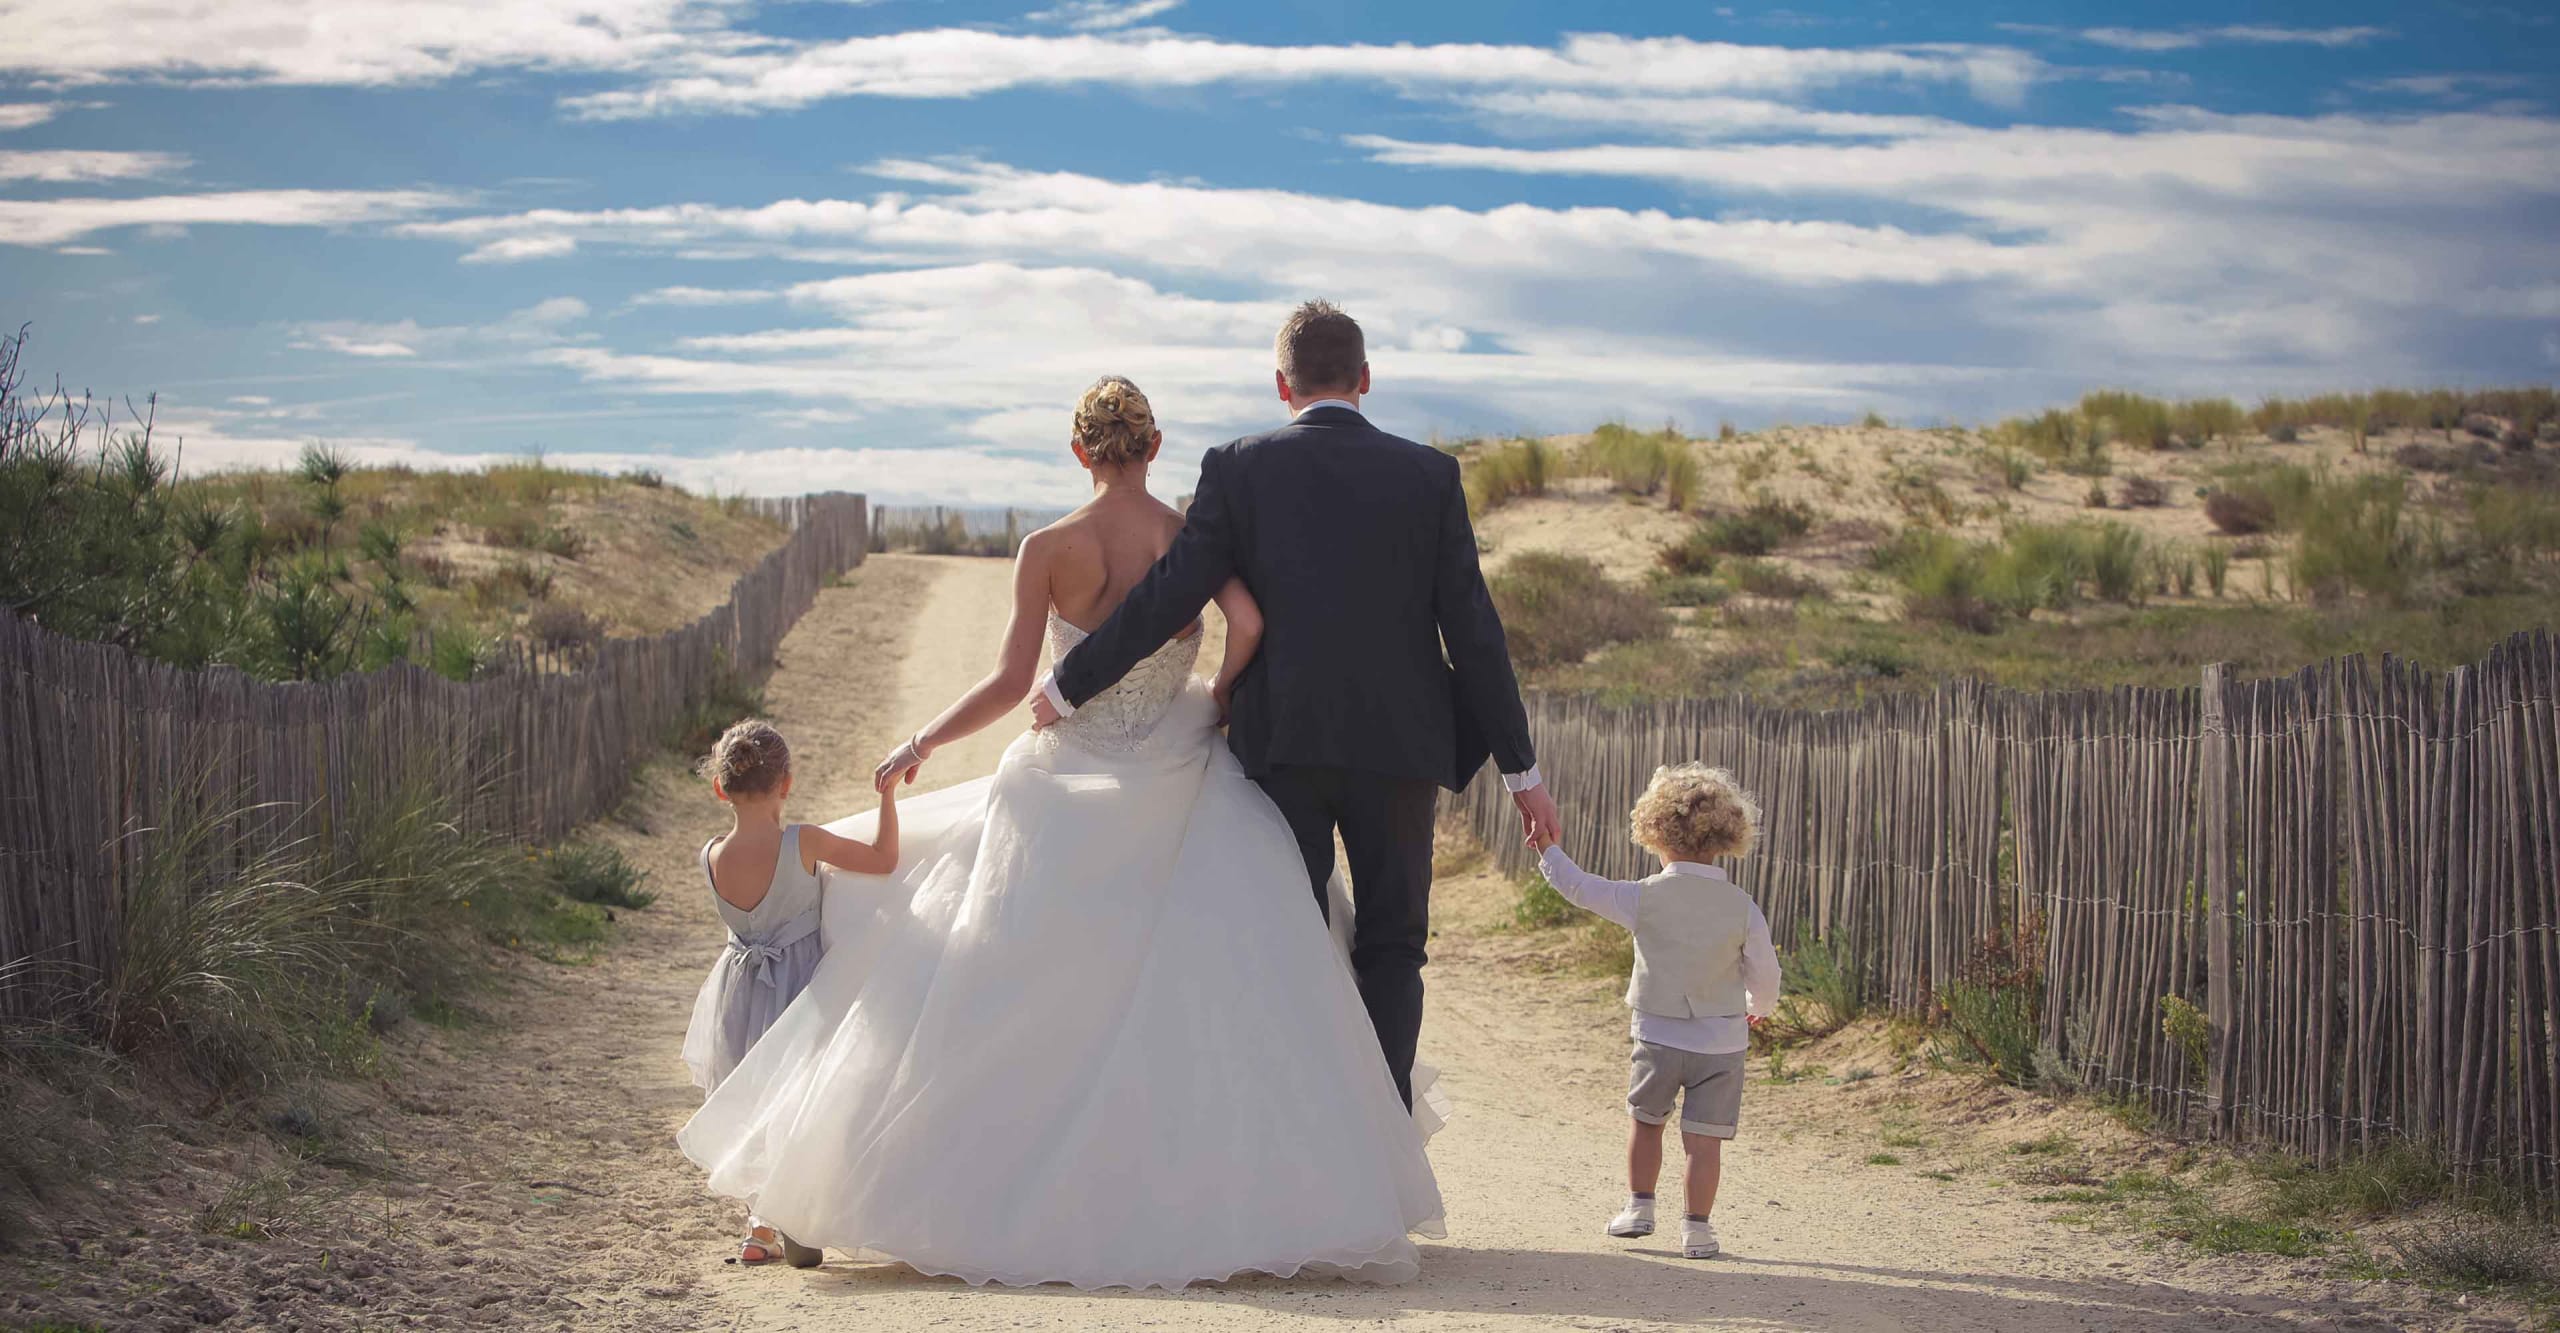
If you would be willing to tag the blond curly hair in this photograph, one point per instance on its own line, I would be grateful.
(1114, 422)
(1691, 812)
(750, 759)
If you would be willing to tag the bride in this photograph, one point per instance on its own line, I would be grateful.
(1091, 1031)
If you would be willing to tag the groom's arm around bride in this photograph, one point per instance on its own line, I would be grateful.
(1383, 673)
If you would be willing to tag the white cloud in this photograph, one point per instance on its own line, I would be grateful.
(998, 211)
(354, 42)
(146, 319)
(24, 115)
(1545, 113)
(517, 249)
(954, 62)
(360, 347)
(2156, 40)
(61, 166)
(702, 296)
(53, 221)
(2444, 87)
(541, 324)
(1100, 15)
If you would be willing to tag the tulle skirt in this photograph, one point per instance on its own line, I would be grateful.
(1092, 1031)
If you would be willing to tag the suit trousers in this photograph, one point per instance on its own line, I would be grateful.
(1386, 824)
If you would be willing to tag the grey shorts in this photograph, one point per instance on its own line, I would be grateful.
(1709, 1088)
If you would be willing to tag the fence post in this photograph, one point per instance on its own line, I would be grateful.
(2213, 808)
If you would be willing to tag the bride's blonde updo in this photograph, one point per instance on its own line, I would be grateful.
(1115, 423)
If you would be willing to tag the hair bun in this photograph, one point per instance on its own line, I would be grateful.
(1114, 422)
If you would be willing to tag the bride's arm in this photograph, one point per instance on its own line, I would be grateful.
(1001, 690)
(1244, 637)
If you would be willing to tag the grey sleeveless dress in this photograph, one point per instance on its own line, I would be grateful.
(769, 956)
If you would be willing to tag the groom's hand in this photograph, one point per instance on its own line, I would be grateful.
(1044, 714)
(1537, 808)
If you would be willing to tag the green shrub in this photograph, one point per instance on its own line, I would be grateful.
(1687, 589)
(1517, 469)
(1761, 528)
(1637, 462)
(2351, 541)
(1680, 480)
(2131, 417)
(1540, 907)
(1558, 609)
(2217, 567)
(2241, 513)
(2115, 560)
(1823, 989)
(1762, 578)
(1991, 1013)
(591, 872)
(2479, 1252)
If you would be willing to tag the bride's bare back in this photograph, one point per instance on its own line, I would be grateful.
(1082, 567)
(1094, 556)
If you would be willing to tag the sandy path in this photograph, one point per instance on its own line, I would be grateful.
(579, 1111)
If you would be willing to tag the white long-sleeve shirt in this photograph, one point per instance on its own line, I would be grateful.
(1615, 900)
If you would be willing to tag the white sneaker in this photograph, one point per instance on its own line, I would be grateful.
(1636, 1219)
(1698, 1238)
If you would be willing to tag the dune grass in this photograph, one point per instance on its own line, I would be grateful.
(1558, 609)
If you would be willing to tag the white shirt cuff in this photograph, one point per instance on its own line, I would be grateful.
(1049, 686)
(1522, 781)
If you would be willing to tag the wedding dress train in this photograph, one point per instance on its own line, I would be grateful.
(1093, 1030)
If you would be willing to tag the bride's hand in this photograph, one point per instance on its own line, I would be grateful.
(902, 763)
(1223, 690)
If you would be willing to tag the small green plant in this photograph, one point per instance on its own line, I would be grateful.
(592, 872)
(1761, 528)
(1687, 589)
(1539, 907)
(2186, 1028)
(1822, 989)
(1883, 1159)
(1992, 1011)
(1762, 578)
(2049, 1144)
(2479, 1253)
(2217, 567)
(1518, 469)
(1680, 479)
(1559, 609)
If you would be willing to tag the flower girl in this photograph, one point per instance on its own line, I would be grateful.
(763, 875)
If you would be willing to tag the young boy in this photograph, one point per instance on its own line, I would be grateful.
(1705, 973)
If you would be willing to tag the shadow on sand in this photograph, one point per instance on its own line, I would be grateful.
(1656, 1286)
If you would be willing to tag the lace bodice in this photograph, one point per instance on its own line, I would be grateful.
(1121, 718)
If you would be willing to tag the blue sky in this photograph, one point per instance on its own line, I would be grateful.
(882, 246)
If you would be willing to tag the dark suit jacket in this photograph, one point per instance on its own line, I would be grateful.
(1381, 650)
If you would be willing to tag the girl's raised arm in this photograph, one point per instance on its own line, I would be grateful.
(1001, 690)
(876, 857)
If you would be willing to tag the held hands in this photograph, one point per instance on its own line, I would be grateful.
(901, 764)
(1538, 816)
(1044, 714)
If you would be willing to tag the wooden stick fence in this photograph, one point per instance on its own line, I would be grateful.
(96, 743)
(2353, 873)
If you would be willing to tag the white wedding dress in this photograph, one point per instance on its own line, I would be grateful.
(1093, 1030)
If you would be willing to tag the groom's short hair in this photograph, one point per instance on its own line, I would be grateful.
(1321, 348)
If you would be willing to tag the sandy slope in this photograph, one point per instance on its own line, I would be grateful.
(546, 1190)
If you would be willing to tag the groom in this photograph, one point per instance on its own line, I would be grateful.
(1383, 673)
